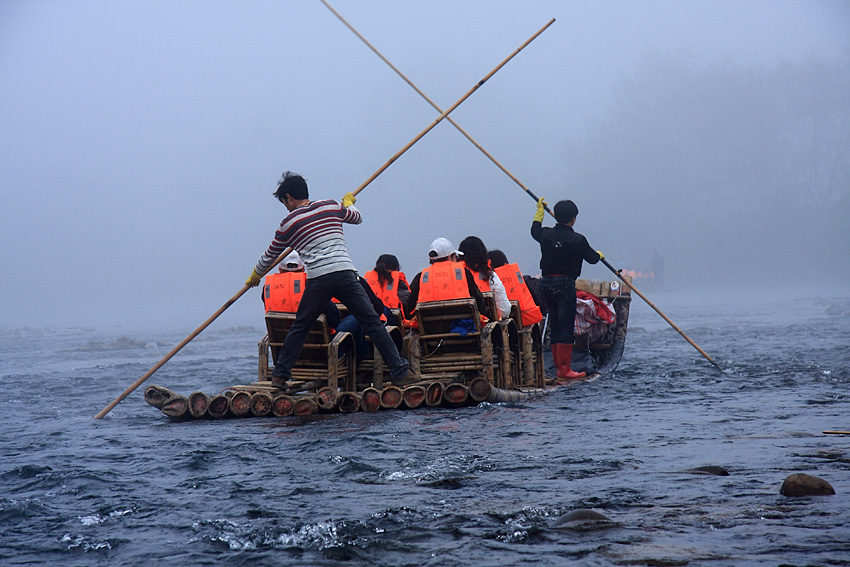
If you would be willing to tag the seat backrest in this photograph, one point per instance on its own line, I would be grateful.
(278, 325)
(516, 313)
(437, 317)
(490, 310)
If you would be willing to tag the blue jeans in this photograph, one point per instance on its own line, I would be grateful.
(350, 324)
(559, 295)
(345, 286)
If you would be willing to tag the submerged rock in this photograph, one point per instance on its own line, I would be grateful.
(709, 469)
(800, 484)
(583, 520)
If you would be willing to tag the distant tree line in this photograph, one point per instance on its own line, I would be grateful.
(700, 145)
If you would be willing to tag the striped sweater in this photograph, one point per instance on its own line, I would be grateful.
(315, 232)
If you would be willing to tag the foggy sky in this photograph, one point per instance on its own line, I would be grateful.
(140, 142)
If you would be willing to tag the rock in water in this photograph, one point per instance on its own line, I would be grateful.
(800, 484)
(709, 469)
(583, 520)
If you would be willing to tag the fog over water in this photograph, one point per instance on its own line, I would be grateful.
(140, 142)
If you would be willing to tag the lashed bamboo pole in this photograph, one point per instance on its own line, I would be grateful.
(505, 170)
(286, 252)
(657, 310)
(431, 102)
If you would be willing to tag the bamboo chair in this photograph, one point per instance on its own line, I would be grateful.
(371, 370)
(510, 354)
(532, 365)
(436, 350)
(320, 359)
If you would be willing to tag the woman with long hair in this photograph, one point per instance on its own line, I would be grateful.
(475, 258)
(388, 281)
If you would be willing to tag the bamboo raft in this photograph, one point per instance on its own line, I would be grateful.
(499, 361)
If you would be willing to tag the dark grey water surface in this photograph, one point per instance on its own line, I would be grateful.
(477, 486)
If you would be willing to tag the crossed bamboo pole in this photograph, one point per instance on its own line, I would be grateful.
(509, 174)
(380, 170)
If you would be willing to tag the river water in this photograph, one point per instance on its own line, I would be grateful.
(485, 485)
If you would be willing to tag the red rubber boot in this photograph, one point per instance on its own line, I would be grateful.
(563, 358)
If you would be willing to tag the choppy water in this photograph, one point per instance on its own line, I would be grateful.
(470, 487)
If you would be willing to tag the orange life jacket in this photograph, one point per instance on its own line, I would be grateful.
(283, 291)
(481, 280)
(517, 290)
(442, 281)
(388, 294)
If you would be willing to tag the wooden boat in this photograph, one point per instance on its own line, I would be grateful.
(490, 360)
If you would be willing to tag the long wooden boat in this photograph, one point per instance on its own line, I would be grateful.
(452, 364)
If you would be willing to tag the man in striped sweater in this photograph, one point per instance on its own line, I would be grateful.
(314, 230)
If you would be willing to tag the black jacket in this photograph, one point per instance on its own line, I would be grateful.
(562, 250)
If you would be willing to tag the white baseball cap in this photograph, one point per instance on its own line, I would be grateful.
(292, 263)
(442, 248)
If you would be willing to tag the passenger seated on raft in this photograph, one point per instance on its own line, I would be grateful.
(516, 287)
(389, 283)
(350, 324)
(444, 279)
(283, 291)
(475, 259)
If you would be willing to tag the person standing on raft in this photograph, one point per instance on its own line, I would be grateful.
(562, 250)
(314, 230)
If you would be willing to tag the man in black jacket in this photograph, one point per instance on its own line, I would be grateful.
(562, 252)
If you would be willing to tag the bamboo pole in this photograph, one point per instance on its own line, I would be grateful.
(286, 252)
(431, 102)
(446, 112)
(500, 166)
(657, 310)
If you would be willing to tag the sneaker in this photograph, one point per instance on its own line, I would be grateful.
(401, 373)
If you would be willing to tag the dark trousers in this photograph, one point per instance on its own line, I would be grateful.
(559, 295)
(345, 286)
(350, 324)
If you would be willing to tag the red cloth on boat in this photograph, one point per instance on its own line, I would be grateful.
(592, 316)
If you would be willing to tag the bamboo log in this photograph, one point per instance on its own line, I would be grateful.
(349, 402)
(218, 406)
(261, 403)
(283, 406)
(434, 394)
(498, 395)
(391, 397)
(306, 405)
(438, 368)
(370, 400)
(176, 407)
(456, 395)
(199, 403)
(240, 404)
(326, 398)
(479, 389)
(413, 396)
(157, 395)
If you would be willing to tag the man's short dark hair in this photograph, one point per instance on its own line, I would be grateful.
(293, 185)
(565, 211)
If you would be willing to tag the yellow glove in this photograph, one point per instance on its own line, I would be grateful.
(348, 200)
(254, 279)
(541, 210)
(601, 255)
